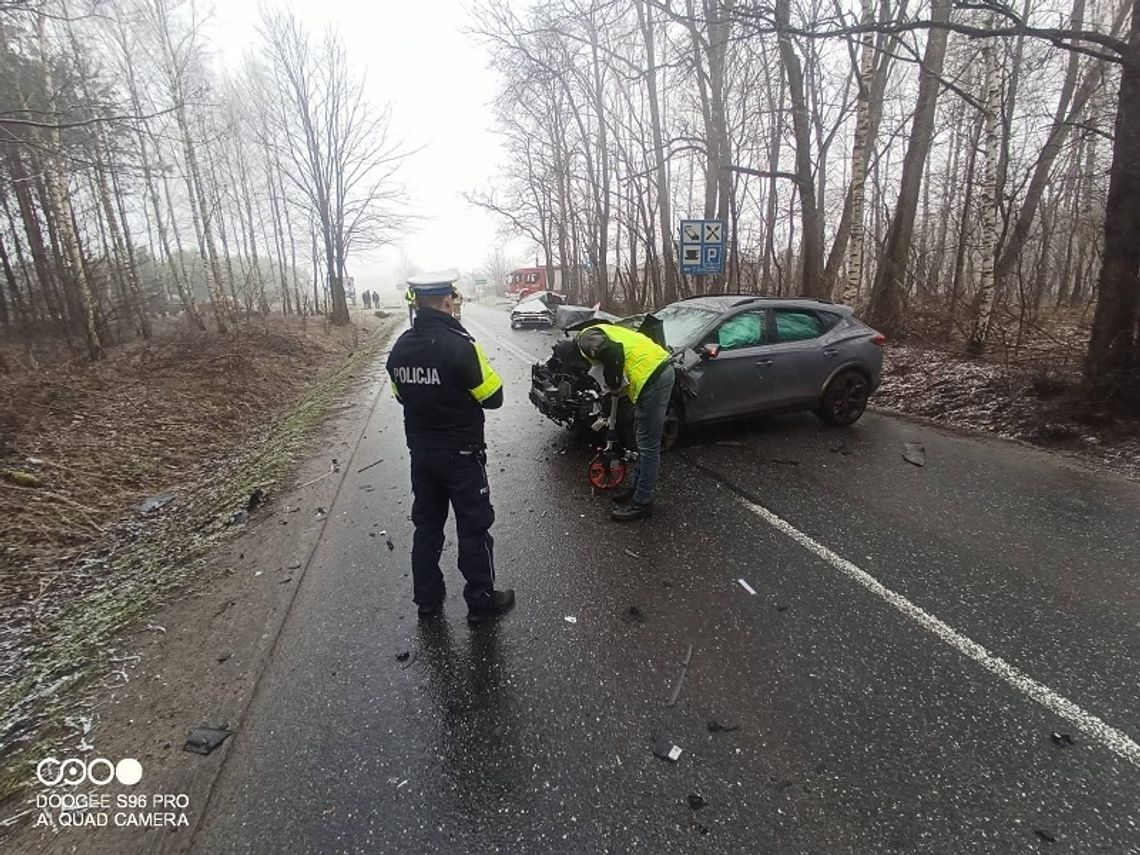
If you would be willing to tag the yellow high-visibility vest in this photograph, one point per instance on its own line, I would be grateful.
(642, 355)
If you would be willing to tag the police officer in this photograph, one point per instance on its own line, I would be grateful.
(634, 360)
(444, 381)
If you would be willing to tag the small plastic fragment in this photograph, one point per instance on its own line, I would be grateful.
(665, 749)
(1062, 740)
(696, 802)
(203, 740)
(914, 453)
(715, 726)
(153, 503)
(633, 615)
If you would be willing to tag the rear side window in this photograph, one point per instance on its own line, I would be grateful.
(743, 330)
(829, 320)
(795, 325)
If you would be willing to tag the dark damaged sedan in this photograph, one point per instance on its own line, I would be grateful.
(736, 356)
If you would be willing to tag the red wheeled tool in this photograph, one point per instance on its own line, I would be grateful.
(609, 467)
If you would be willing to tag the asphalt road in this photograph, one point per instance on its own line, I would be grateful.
(916, 639)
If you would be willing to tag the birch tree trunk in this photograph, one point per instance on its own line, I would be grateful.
(985, 296)
(859, 162)
(61, 213)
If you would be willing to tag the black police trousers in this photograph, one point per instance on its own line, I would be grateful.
(459, 478)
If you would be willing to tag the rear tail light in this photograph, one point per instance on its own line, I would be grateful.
(878, 339)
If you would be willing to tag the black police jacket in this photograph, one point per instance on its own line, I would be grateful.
(442, 377)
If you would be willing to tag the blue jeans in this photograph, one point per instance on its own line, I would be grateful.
(649, 413)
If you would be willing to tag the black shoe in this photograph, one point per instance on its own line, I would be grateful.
(499, 603)
(428, 612)
(622, 497)
(631, 512)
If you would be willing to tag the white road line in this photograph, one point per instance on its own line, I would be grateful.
(1113, 739)
(487, 335)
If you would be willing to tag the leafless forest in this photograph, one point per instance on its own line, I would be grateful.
(145, 179)
(960, 172)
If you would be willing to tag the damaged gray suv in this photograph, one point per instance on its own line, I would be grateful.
(736, 356)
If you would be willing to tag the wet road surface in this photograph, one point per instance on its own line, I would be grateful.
(916, 638)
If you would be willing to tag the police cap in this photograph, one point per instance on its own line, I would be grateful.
(436, 284)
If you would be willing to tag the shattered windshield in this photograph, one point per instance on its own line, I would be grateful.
(682, 323)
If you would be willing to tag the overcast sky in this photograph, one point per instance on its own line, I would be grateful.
(440, 87)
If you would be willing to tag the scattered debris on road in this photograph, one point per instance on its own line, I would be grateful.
(841, 448)
(747, 587)
(239, 517)
(1045, 835)
(404, 656)
(295, 565)
(225, 657)
(154, 627)
(1062, 740)
(696, 802)
(715, 726)
(570, 619)
(914, 452)
(665, 749)
(632, 554)
(781, 607)
(370, 465)
(203, 740)
(256, 499)
(681, 677)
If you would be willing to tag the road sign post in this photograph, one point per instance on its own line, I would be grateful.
(702, 247)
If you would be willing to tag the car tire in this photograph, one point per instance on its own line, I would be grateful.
(845, 399)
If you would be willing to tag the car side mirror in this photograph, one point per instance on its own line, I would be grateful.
(709, 351)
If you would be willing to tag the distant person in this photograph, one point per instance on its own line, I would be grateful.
(367, 297)
(410, 299)
(443, 380)
(375, 300)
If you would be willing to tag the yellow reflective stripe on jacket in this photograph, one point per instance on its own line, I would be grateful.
(491, 382)
(642, 355)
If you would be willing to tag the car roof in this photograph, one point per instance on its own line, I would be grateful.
(726, 302)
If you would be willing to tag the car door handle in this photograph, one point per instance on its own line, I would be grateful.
(764, 363)
(830, 351)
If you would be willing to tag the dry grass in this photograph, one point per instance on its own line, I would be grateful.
(204, 418)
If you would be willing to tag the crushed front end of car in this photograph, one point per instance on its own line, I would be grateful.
(563, 390)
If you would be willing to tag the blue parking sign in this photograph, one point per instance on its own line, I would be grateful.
(702, 247)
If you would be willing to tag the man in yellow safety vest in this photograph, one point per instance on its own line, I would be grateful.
(634, 361)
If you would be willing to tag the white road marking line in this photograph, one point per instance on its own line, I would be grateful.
(1116, 741)
(746, 586)
(513, 350)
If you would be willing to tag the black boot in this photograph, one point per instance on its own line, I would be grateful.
(631, 512)
(623, 496)
(430, 611)
(497, 605)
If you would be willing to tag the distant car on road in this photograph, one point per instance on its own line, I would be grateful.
(536, 310)
(739, 355)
